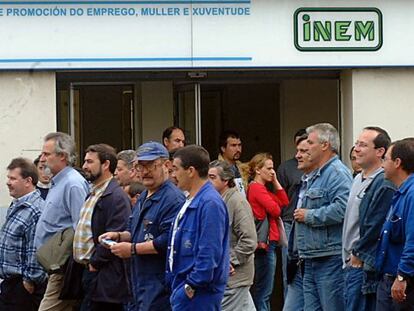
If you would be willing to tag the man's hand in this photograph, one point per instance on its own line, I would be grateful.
(29, 287)
(114, 236)
(122, 250)
(232, 270)
(398, 290)
(300, 214)
(92, 268)
(356, 262)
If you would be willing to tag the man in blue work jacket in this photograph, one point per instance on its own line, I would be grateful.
(395, 256)
(198, 253)
(146, 238)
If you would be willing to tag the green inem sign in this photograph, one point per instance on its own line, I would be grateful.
(338, 29)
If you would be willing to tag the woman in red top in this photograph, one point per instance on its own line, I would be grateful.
(265, 204)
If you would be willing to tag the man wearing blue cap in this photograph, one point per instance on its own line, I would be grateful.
(146, 238)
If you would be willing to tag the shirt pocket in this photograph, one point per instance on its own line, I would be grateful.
(187, 242)
(396, 229)
(150, 229)
(315, 198)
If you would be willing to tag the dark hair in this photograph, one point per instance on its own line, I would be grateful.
(135, 188)
(223, 138)
(27, 169)
(105, 153)
(382, 140)
(301, 138)
(404, 150)
(168, 131)
(224, 171)
(350, 152)
(195, 156)
(37, 160)
(300, 133)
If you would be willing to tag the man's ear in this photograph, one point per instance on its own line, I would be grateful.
(397, 163)
(222, 149)
(106, 164)
(165, 141)
(325, 145)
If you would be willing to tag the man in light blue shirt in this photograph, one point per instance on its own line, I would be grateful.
(62, 206)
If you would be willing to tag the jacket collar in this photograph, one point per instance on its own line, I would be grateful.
(206, 187)
(407, 184)
(157, 195)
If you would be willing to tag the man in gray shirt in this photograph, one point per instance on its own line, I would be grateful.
(62, 206)
(368, 203)
(243, 239)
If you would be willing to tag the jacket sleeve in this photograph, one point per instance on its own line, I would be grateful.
(116, 212)
(31, 269)
(331, 212)
(212, 233)
(170, 210)
(406, 264)
(245, 231)
(365, 247)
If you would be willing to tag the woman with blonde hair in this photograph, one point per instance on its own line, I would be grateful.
(266, 206)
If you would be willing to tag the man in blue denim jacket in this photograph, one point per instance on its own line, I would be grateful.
(395, 256)
(198, 252)
(368, 204)
(319, 220)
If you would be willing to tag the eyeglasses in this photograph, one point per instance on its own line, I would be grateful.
(150, 166)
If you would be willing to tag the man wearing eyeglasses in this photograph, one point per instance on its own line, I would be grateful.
(146, 238)
(368, 203)
(395, 255)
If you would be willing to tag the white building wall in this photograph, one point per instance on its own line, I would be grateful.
(28, 112)
(378, 97)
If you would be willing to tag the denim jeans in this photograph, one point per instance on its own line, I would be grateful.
(385, 301)
(288, 228)
(265, 268)
(353, 298)
(323, 284)
(294, 298)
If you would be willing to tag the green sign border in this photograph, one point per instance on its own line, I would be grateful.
(337, 49)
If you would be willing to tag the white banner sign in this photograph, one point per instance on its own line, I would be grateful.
(205, 33)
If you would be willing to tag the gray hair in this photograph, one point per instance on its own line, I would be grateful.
(64, 144)
(224, 171)
(128, 156)
(326, 133)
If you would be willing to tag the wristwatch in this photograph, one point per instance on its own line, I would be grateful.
(133, 249)
(400, 278)
(189, 291)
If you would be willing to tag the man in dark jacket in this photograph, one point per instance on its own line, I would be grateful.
(368, 204)
(107, 208)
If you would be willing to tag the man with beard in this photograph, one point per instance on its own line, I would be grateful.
(146, 239)
(62, 206)
(107, 208)
(230, 151)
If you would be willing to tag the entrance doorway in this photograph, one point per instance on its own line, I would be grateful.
(102, 113)
(248, 108)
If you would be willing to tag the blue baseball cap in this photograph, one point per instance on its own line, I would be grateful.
(151, 151)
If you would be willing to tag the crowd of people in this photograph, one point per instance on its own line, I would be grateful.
(166, 228)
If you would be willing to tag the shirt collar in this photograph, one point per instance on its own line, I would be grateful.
(61, 175)
(406, 184)
(101, 186)
(24, 198)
